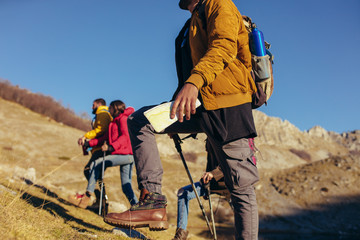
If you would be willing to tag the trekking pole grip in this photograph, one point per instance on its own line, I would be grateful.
(177, 142)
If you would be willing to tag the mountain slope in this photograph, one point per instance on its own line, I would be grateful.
(308, 179)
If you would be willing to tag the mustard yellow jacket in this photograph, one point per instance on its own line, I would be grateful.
(221, 56)
(100, 125)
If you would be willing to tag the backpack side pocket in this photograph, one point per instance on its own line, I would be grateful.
(263, 75)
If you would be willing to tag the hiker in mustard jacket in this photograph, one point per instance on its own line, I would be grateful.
(213, 63)
(100, 126)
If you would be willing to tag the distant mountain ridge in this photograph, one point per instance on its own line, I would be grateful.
(282, 137)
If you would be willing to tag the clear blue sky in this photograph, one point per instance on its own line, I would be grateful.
(79, 50)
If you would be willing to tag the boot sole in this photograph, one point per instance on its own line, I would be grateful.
(153, 225)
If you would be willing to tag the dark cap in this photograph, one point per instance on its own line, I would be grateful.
(183, 4)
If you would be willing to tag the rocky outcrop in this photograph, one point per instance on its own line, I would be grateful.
(321, 197)
(279, 139)
(280, 144)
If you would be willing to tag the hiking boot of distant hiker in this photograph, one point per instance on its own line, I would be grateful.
(150, 212)
(180, 234)
(95, 205)
(80, 200)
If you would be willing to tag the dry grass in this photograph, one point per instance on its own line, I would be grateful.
(33, 211)
(30, 213)
(46, 153)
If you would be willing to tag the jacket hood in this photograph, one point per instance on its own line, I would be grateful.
(101, 109)
(128, 111)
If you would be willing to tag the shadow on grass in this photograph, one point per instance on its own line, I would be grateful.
(222, 232)
(57, 210)
(131, 233)
(46, 191)
(227, 232)
(338, 219)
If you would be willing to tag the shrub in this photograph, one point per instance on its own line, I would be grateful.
(44, 105)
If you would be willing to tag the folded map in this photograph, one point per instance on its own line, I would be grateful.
(159, 116)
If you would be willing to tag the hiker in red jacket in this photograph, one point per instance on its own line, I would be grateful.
(116, 143)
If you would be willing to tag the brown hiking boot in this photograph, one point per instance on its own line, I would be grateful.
(180, 234)
(150, 212)
(80, 200)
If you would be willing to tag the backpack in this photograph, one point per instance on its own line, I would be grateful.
(262, 71)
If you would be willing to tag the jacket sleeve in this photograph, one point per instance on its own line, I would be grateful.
(122, 139)
(222, 24)
(102, 122)
(217, 173)
(99, 141)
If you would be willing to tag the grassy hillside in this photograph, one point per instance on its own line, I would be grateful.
(44, 105)
(41, 164)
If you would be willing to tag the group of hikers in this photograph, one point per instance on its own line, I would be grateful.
(213, 63)
(110, 145)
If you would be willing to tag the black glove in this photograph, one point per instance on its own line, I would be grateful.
(207, 188)
(110, 149)
(86, 145)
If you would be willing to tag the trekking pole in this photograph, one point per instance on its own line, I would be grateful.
(178, 142)
(102, 184)
(207, 186)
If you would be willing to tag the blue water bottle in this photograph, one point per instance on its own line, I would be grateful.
(257, 43)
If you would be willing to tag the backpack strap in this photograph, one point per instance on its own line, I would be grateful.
(248, 23)
(200, 8)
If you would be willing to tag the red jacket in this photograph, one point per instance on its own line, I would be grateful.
(117, 135)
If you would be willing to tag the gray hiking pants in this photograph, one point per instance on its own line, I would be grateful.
(235, 159)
